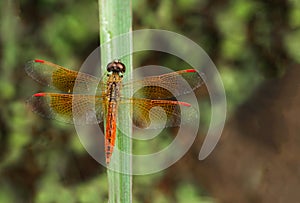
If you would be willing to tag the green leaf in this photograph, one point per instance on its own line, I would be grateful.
(115, 20)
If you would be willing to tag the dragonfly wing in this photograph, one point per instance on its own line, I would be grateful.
(63, 79)
(69, 108)
(157, 114)
(167, 85)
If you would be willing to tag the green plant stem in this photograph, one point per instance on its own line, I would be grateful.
(115, 20)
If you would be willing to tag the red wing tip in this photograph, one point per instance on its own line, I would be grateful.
(39, 94)
(39, 61)
(190, 70)
(184, 104)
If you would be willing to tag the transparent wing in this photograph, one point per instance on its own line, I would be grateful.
(157, 114)
(87, 109)
(63, 79)
(167, 85)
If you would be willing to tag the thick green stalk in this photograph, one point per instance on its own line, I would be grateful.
(115, 20)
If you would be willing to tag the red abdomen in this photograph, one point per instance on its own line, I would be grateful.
(111, 128)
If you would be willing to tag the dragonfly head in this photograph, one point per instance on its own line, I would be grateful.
(116, 67)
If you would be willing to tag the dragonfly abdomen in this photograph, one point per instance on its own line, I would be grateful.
(113, 90)
(111, 128)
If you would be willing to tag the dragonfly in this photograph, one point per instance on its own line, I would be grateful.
(79, 106)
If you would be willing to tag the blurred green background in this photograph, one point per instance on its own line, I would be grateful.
(254, 43)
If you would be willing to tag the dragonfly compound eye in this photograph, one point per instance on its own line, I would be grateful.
(121, 67)
(116, 67)
(110, 67)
